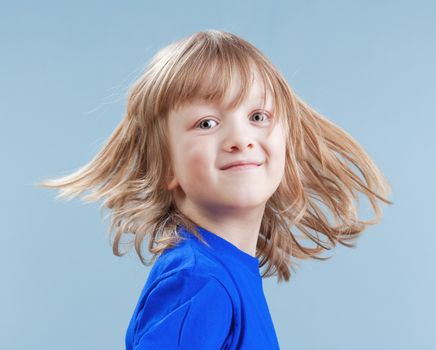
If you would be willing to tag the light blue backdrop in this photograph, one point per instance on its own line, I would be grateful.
(369, 66)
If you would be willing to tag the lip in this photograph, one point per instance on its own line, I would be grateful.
(241, 165)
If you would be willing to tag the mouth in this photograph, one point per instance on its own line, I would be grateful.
(242, 166)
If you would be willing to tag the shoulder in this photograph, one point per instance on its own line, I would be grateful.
(186, 259)
(189, 281)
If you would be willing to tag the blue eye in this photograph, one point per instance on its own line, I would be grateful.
(266, 116)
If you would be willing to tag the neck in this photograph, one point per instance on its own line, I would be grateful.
(239, 226)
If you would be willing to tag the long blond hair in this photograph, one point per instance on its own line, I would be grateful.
(131, 169)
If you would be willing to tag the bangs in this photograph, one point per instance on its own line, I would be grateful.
(213, 80)
(206, 70)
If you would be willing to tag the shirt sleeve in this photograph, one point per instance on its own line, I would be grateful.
(184, 311)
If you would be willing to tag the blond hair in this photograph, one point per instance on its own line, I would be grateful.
(131, 169)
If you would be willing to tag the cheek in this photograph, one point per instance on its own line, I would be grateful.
(278, 146)
(195, 161)
(194, 154)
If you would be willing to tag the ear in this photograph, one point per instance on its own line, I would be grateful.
(174, 183)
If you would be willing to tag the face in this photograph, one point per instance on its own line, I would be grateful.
(205, 138)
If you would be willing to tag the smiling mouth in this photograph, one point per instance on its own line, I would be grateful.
(243, 166)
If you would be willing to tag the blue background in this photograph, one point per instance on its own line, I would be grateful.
(369, 66)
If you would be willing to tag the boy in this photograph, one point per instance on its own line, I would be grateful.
(172, 172)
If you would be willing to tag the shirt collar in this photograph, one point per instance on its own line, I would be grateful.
(221, 246)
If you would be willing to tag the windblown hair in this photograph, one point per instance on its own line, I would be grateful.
(131, 170)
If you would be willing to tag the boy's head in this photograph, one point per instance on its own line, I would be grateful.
(208, 100)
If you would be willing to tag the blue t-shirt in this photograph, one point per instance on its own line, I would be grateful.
(199, 297)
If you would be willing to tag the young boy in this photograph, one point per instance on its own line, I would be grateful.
(226, 165)
(215, 161)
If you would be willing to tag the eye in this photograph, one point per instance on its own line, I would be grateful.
(261, 114)
(203, 122)
(262, 117)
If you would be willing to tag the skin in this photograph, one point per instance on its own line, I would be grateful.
(205, 137)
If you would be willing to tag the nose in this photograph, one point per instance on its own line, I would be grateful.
(239, 146)
(237, 137)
